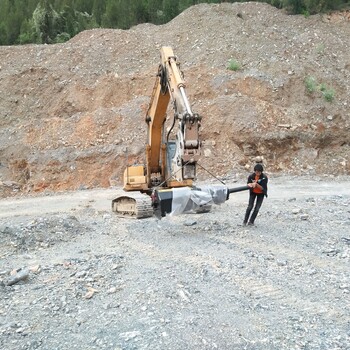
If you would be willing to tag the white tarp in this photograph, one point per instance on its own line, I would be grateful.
(186, 199)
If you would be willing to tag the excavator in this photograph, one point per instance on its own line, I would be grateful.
(165, 183)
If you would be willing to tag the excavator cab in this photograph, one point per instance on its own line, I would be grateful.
(135, 178)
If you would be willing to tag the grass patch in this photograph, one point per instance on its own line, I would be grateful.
(328, 94)
(320, 49)
(312, 86)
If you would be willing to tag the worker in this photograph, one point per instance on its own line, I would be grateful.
(257, 182)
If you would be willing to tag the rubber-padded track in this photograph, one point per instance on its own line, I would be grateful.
(136, 205)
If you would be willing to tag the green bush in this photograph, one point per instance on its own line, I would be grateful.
(328, 94)
(233, 65)
(322, 87)
(311, 85)
(305, 13)
(61, 38)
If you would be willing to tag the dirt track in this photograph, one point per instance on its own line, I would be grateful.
(197, 281)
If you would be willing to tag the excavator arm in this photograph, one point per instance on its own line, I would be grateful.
(171, 167)
(172, 154)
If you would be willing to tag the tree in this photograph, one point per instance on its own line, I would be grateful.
(110, 17)
(27, 34)
(13, 27)
(3, 34)
(185, 4)
(154, 9)
(84, 6)
(44, 21)
(98, 9)
(140, 11)
(295, 6)
(170, 9)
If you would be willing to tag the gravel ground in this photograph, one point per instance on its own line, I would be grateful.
(75, 276)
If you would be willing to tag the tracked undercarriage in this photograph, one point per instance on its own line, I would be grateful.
(133, 205)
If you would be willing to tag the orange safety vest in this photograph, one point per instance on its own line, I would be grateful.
(256, 189)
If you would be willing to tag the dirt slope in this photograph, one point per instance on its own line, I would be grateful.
(70, 112)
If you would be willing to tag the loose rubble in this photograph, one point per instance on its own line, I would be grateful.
(202, 281)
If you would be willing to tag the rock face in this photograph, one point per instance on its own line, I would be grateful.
(72, 115)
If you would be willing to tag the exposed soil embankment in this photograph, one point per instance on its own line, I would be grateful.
(71, 114)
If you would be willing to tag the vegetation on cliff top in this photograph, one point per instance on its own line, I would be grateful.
(54, 21)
